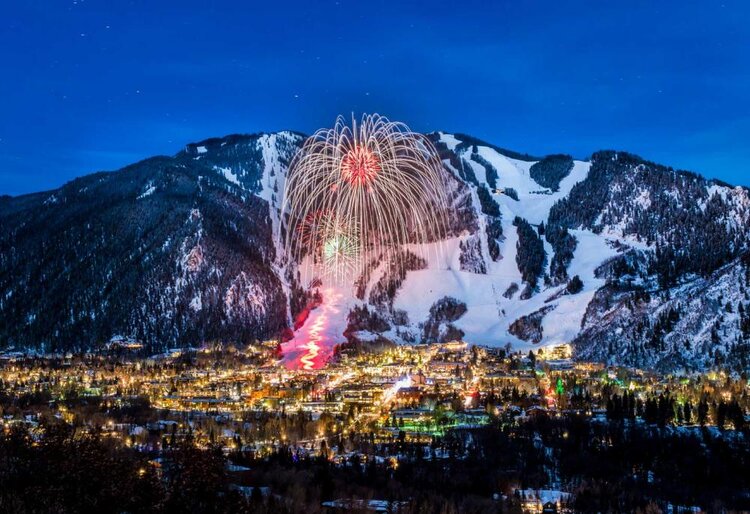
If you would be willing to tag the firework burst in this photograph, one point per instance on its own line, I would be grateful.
(359, 188)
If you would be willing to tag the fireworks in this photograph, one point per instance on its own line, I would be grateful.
(333, 240)
(369, 187)
(340, 251)
(359, 166)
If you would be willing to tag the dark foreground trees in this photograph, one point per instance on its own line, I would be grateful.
(55, 469)
(620, 465)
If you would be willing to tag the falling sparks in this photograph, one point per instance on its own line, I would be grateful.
(366, 188)
(336, 238)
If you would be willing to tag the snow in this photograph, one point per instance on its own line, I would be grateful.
(489, 314)
(201, 149)
(564, 322)
(365, 335)
(714, 189)
(196, 303)
(243, 297)
(531, 205)
(147, 191)
(450, 140)
(479, 171)
(643, 200)
(272, 180)
(738, 198)
(272, 185)
(228, 174)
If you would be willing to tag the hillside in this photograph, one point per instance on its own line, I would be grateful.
(634, 262)
(170, 250)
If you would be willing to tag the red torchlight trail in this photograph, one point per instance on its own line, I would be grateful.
(360, 166)
(312, 347)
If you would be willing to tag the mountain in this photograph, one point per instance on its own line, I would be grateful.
(633, 262)
(170, 250)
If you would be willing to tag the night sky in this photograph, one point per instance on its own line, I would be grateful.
(97, 84)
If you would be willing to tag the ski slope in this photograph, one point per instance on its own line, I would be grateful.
(489, 312)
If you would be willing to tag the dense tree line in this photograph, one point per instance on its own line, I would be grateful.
(471, 258)
(362, 318)
(564, 245)
(489, 170)
(100, 257)
(530, 254)
(511, 193)
(456, 162)
(664, 409)
(529, 327)
(551, 170)
(363, 280)
(466, 171)
(663, 325)
(69, 472)
(438, 326)
(494, 231)
(488, 204)
(690, 226)
(467, 141)
(614, 465)
(575, 285)
(648, 326)
(384, 291)
(610, 467)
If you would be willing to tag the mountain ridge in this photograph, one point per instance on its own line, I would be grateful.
(197, 238)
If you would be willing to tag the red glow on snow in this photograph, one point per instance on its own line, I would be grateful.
(360, 166)
(311, 347)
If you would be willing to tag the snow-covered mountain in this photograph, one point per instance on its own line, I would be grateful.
(171, 250)
(631, 261)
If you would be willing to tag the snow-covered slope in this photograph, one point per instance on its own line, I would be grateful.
(490, 310)
(631, 261)
(638, 205)
(699, 324)
(171, 250)
(491, 289)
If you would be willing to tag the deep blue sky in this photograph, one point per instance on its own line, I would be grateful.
(97, 84)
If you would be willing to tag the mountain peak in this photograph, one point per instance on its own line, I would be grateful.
(184, 249)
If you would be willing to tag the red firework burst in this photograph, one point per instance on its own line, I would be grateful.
(309, 228)
(360, 166)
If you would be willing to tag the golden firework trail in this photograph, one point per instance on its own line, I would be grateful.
(363, 188)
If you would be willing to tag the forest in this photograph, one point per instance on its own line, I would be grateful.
(616, 465)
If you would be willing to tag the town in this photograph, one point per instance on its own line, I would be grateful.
(388, 409)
